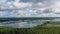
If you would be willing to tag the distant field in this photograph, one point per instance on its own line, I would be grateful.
(51, 25)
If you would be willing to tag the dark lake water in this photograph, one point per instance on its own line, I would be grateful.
(23, 24)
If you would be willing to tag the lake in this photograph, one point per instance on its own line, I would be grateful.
(23, 24)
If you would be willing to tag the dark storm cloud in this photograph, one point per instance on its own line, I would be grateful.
(31, 0)
(47, 11)
(47, 2)
(57, 13)
(34, 0)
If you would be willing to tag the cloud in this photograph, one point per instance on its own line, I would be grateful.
(29, 8)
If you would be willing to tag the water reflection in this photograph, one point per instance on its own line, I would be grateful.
(23, 24)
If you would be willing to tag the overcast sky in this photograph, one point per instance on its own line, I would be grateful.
(30, 8)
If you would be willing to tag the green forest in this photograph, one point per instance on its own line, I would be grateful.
(40, 29)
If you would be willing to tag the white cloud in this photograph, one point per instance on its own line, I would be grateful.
(32, 9)
(22, 5)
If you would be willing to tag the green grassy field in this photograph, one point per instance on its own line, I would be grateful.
(40, 29)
